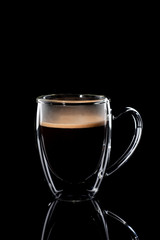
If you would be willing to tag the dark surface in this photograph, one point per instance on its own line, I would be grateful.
(84, 220)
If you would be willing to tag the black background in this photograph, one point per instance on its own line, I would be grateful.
(50, 54)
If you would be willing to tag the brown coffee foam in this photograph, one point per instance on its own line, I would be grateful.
(73, 125)
(74, 101)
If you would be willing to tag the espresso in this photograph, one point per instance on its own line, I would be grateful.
(73, 151)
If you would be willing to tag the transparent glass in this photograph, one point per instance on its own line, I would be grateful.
(84, 220)
(74, 142)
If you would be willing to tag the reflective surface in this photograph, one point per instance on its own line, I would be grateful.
(84, 220)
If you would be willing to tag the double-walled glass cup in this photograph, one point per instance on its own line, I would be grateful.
(74, 142)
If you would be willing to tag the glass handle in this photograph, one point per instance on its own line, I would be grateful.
(138, 125)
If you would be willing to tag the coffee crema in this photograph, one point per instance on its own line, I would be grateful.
(72, 125)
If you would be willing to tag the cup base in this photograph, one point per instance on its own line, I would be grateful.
(74, 197)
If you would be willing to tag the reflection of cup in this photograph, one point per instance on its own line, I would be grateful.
(84, 220)
(74, 140)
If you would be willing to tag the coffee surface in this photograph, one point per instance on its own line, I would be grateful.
(72, 125)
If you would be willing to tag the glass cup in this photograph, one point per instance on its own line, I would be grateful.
(74, 142)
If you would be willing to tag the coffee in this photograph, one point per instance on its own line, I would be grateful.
(73, 151)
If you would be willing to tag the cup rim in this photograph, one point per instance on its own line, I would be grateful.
(71, 99)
